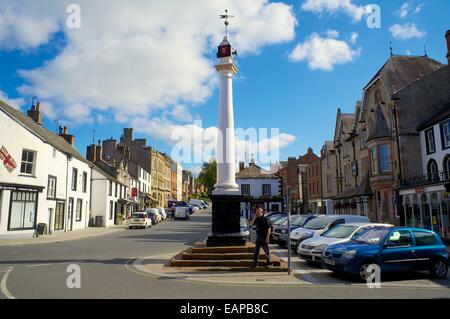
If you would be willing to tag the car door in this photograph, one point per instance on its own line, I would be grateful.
(426, 248)
(398, 251)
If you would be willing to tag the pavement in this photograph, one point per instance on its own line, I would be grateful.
(124, 263)
(62, 236)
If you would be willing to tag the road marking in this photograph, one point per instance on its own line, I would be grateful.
(3, 286)
(37, 265)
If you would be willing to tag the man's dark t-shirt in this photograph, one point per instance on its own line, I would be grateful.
(263, 224)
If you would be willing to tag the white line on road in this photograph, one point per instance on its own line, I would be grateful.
(37, 265)
(3, 287)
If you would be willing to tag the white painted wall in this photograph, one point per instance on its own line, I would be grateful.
(439, 155)
(49, 161)
(257, 183)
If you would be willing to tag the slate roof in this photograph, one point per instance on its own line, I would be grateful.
(379, 129)
(439, 116)
(400, 71)
(256, 172)
(51, 138)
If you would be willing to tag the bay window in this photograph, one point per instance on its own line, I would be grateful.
(384, 154)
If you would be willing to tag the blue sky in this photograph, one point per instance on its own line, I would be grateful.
(297, 92)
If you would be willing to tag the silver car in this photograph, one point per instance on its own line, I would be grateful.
(312, 249)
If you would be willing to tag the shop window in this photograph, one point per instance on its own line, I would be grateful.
(23, 210)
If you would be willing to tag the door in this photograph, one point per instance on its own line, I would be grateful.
(398, 252)
(59, 216)
(70, 215)
(426, 248)
(50, 220)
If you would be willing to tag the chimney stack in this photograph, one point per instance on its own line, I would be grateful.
(241, 166)
(35, 113)
(98, 153)
(447, 37)
(64, 133)
(91, 153)
(128, 134)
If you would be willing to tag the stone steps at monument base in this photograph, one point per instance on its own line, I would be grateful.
(220, 256)
(203, 249)
(219, 263)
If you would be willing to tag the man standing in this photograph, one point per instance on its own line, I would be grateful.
(263, 230)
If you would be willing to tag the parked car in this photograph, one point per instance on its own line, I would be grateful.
(312, 249)
(320, 224)
(392, 249)
(275, 224)
(139, 220)
(157, 213)
(299, 221)
(273, 216)
(163, 213)
(198, 202)
(245, 228)
(153, 217)
(277, 229)
(195, 208)
(185, 204)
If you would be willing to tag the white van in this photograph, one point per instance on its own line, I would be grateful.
(198, 202)
(317, 226)
(182, 212)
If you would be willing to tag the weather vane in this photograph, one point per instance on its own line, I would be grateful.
(226, 16)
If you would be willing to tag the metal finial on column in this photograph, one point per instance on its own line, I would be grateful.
(226, 16)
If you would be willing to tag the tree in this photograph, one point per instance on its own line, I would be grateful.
(208, 176)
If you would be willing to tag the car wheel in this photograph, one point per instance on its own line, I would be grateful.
(439, 269)
(363, 273)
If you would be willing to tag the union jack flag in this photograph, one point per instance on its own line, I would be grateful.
(7, 159)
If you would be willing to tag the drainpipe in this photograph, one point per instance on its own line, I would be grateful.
(400, 169)
(67, 194)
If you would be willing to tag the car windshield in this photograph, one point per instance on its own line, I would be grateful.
(281, 220)
(372, 236)
(285, 222)
(299, 221)
(340, 231)
(317, 223)
(138, 215)
(273, 218)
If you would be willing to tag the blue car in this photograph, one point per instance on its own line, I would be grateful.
(392, 249)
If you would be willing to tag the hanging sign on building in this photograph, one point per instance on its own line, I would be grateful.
(8, 161)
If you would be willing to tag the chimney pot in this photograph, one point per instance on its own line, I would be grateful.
(241, 166)
(65, 130)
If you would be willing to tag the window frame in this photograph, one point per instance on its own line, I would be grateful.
(427, 141)
(74, 181)
(80, 211)
(374, 160)
(426, 233)
(32, 164)
(443, 140)
(84, 182)
(269, 187)
(24, 201)
(388, 157)
(245, 186)
(51, 177)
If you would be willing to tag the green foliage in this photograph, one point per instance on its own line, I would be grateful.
(207, 176)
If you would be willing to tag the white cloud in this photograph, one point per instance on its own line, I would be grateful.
(15, 103)
(323, 53)
(354, 37)
(140, 56)
(404, 10)
(201, 139)
(333, 6)
(406, 31)
(418, 8)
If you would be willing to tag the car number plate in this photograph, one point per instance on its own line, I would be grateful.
(329, 262)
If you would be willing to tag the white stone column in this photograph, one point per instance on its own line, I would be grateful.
(226, 152)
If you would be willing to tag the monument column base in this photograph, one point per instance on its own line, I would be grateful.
(226, 225)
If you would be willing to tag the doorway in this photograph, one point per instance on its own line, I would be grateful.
(70, 215)
(59, 216)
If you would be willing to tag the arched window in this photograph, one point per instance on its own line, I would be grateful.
(432, 171)
(446, 165)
